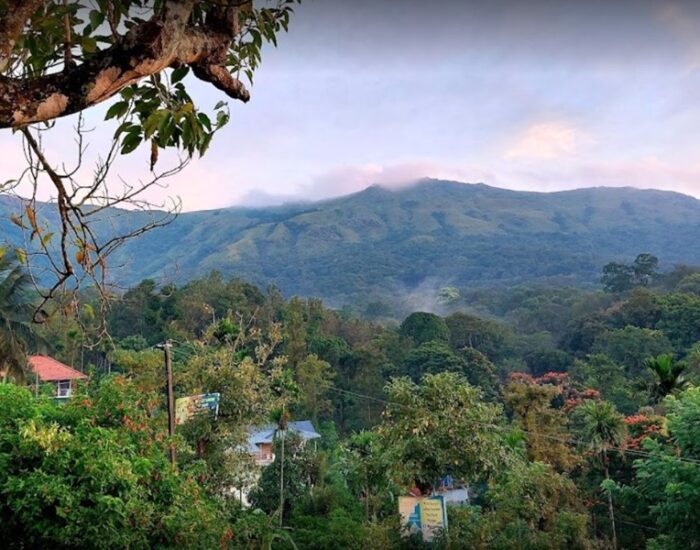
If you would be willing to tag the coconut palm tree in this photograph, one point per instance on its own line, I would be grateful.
(603, 428)
(16, 309)
(668, 376)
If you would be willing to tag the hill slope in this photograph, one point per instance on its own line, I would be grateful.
(379, 241)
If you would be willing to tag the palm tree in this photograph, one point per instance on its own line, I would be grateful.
(16, 309)
(603, 428)
(668, 376)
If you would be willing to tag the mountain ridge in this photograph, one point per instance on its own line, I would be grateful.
(383, 242)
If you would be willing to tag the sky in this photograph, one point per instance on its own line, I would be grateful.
(542, 96)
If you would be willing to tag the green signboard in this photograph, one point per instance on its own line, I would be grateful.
(187, 407)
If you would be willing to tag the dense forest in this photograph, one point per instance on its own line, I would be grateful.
(571, 416)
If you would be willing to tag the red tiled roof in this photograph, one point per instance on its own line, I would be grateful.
(50, 370)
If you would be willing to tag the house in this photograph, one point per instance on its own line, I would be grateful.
(49, 370)
(260, 440)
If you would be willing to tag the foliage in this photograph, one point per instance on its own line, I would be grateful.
(92, 473)
(621, 277)
(300, 471)
(529, 471)
(545, 426)
(16, 311)
(441, 427)
(632, 346)
(431, 358)
(668, 376)
(601, 373)
(602, 427)
(668, 487)
(423, 327)
(314, 377)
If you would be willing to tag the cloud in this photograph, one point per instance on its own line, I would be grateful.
(647, 173)
(344, 180)
(547, 140)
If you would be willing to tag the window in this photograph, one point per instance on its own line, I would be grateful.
(63, 388)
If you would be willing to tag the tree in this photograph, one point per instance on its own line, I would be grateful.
(431, 358)
(542, 361)
(295, 331)
(680, 318)
(215, 41)
(603, 374)
(645, 269)
(530, 507)
(619, 277)
(545, 427)
(441, 427)
(92, 473)
(297, 466)
(423, 327)
(689, 284)
(367, 464)
(668, 376)
(667, 482)
(16, 312)
(489, 337)
(631, 347)
(314, 377)
(640, 309)
(60, 58)
(602, 428)
(480, 372)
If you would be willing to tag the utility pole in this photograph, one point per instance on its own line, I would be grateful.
(170, 396)
(282, 429)
(282, 481)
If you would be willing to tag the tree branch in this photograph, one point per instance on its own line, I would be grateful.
(167, 40)
(221, 78)
(11, 26)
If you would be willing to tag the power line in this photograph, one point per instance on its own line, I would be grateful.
(648, 527)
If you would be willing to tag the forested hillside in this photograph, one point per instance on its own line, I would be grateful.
(570, 416)
(381, 243)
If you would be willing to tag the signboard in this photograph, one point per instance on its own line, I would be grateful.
(427, 515)
(187, 407)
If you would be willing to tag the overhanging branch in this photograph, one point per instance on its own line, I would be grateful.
(167, 40)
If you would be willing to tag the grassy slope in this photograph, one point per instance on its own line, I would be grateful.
(382, 242)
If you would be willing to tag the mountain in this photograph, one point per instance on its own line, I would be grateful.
(380, 242)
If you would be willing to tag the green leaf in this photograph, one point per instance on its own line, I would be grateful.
(204, 121)
(153, 122)
(118, 110)
(165, 129)
(96, 18)
(46, 238)
(179, 73)
(21, 255)
(131, 142)
(221, 119)
(89, 44)
(608, 485)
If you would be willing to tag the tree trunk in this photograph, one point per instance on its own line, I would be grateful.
(611, 509)
(282, 481)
